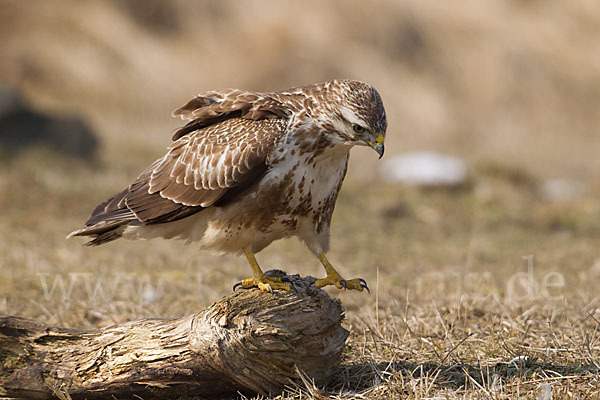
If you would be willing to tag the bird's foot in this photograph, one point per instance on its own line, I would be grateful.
(341, 283)
(263, 282)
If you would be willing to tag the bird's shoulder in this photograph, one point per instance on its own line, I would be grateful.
(212, 107)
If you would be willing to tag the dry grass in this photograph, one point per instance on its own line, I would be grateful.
(448, 311)
(446, 316)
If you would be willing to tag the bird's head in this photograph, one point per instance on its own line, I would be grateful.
(358, 115)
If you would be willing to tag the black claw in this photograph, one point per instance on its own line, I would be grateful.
(344, 284)
(236, 285)
(363, 284)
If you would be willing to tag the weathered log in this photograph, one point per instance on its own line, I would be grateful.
(249, 342)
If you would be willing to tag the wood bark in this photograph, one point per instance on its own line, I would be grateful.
(249, 342)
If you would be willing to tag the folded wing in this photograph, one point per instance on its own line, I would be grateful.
(214, 159)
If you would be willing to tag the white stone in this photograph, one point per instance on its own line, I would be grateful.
(424, 168)
(561, 189)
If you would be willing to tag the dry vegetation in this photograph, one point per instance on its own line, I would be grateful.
(510, 86)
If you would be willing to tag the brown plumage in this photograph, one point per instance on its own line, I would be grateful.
(248, 168)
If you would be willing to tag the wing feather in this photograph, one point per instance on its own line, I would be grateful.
(215, 106)
(220, 153)
(204, 160)
(199, 171)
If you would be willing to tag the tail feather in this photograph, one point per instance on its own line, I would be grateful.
(107, 222)
(101, 232)
(106, 237)
(129, 207)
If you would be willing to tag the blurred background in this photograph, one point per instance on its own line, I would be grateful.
(509, 89)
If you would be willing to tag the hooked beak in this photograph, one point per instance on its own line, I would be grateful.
(378, 145)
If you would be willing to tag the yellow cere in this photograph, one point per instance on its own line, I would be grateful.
(378, 140)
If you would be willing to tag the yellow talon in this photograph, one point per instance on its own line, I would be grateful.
(260, 280)
(264, 283)
(334, 278)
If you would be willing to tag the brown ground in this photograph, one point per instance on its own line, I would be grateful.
(512, 87)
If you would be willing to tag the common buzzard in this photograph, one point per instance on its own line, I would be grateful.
(249, 168)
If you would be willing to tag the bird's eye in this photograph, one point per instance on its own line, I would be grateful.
(357, 128)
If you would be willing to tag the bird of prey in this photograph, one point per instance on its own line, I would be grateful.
(249, 168)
